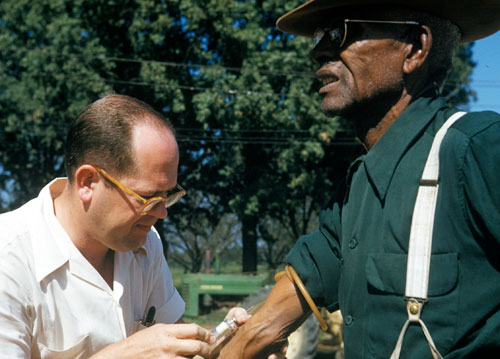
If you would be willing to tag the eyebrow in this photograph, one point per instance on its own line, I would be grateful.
(162, 193)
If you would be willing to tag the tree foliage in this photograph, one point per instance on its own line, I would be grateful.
(254, 145)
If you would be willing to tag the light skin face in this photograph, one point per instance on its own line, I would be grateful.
(100, 218)
(118, 224)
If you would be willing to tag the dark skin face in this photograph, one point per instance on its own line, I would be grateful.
(366, 80)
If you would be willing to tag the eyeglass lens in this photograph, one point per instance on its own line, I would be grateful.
(167, 202)
(336, 32)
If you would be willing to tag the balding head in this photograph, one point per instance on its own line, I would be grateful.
(102, 134)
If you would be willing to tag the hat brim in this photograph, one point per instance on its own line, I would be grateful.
(475, 18)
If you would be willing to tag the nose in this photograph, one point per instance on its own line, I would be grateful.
(159, 211)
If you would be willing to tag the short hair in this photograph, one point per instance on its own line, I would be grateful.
(102, 134)
(446, 37)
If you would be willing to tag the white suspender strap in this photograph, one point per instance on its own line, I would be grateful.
(419, 248)
(420, 244)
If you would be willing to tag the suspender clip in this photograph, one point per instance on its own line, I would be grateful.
(414, 308)
(428, 182)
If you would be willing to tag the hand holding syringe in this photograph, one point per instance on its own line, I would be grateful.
(225, 329)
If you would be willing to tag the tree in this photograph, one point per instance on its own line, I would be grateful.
(191, 235)
(242, 95)
(47, 77)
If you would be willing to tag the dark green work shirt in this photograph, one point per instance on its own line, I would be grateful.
(356, 259)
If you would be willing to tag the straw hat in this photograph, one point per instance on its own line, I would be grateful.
(476, 18)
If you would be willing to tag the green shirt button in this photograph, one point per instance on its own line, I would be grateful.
(353, 243)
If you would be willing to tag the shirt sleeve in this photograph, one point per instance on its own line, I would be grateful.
(317, 259)
(481, 179)
(15, 319)
(168, 302)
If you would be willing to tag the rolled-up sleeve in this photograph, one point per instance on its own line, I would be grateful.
(164, 296)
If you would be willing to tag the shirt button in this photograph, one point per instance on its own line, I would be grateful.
(353, 243)
(348, 320)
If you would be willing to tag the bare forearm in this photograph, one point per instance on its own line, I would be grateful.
(267, 330)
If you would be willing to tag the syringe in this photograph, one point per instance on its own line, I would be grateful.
(225, 328)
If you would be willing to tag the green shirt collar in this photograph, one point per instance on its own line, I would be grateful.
(382, 159)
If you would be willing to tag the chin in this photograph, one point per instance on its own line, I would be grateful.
(140, 243)
(332, 107)
(132, 243)
(331, 111)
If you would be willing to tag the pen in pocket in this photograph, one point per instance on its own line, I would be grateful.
(148, 320)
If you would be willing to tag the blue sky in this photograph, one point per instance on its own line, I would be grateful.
(486, 74)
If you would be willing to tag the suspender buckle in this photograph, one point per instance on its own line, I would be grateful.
(414, 308)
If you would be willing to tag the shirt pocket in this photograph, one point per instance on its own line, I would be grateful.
(386, 307)
(79, 350)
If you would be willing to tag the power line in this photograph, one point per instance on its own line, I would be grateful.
(487, 83)
(282, 137)
(242, 130)
(264, 141)
(308, 74)
(205, 89)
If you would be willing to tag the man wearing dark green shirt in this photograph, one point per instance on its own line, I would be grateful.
(381, 67)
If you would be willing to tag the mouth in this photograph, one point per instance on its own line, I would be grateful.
(144, 227)
(326, 78)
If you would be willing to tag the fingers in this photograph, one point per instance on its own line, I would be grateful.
(163, 341)
(187, 340)
(189, 331)
(240, 314)
(284, 348)
(192, 348)
(276, 356)
(281, 354)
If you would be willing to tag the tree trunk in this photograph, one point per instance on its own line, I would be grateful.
(249, 237)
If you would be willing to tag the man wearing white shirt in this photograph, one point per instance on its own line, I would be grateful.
(81, 265)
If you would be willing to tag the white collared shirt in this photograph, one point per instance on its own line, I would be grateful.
(55, 305)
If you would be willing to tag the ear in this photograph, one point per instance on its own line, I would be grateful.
(86, 177)
(417, 51)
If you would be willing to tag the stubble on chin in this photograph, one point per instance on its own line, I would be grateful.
(343, 110)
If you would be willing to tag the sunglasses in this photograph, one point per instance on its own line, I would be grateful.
(338, 30)
(150, 203)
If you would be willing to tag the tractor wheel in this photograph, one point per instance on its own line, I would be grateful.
(303, 343)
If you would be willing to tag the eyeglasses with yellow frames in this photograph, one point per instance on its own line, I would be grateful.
(150, 203)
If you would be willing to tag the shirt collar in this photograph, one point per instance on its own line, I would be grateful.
(49, 253)
(382, 160)
(52, 247)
